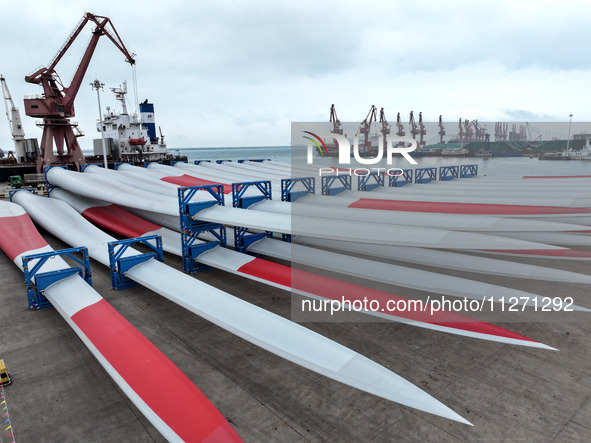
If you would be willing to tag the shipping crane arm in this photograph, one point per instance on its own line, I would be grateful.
(413, 126)
(56, 105)
(47, 76)
(15, 124)
(12, 113)
(422, 131)
(365, 126)
(336, 123)
(400, 127)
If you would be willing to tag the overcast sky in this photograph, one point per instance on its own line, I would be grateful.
(237, 73)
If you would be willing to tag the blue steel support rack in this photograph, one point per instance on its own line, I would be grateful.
(219, 162)
(328, 180)
(172, 163)
(196, 162)
(120, 265)
(363, 181)
(287, 185)
(83, 167)
(239, 189)
(48, 186)
(116, 165)
(425, 175)
(191, 229)
(242, 238)
(258, 160)
(14, 191)
(400, 180)
(447, 173)
(37, 282)
(467, 171)
(146, 164)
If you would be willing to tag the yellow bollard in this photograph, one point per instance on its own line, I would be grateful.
(4, 377)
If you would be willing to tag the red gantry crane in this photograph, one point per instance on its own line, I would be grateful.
(56, 105)
(336, 123)
(366, 127)
(468, 133)
(501, 131)
(332, 149)
(400, 127)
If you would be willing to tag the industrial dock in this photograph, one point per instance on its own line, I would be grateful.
(505, 391)
(60, 392)
(370, 282)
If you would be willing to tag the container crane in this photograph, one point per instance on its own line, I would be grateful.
(501, 131)
(14, 122)
(366, 127)
(56, 105)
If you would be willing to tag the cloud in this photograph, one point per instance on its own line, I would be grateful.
(238, 73)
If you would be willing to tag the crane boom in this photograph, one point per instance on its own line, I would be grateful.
(14, 121)
(56, 104)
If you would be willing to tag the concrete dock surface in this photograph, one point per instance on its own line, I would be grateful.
(510, 393)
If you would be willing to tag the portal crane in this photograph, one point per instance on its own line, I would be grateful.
(468, 131)
(56, 104)
(422, 131)
(501, 131)
(441, 130)
(366, 127)
(385, 129)
(336, 123)
(414, 130)
(479, 131)
(400, 132)
(482, 133)
(14, 122)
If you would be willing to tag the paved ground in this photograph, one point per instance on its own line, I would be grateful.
(60, 393)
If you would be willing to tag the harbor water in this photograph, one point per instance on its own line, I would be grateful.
(497, 166)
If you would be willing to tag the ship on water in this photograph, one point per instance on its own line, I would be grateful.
(569, 154)
(130, 137)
